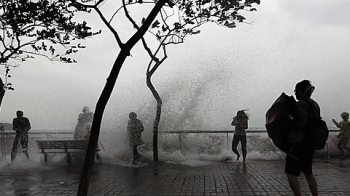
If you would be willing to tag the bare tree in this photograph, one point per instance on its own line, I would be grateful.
(182, 20)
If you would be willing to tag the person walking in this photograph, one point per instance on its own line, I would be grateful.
(135, 128)
(300, 154)
(21, 125)
(344, 133)
(241, 124)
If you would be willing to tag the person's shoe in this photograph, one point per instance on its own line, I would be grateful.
(238, 155)
(26, 153)
(13, 156)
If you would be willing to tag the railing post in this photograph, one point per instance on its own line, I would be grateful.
(180, 141)
(2, 141)
(227, 139)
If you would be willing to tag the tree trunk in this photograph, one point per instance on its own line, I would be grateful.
(2, 91)
(104, 97)
(95, 129)
(157, 119)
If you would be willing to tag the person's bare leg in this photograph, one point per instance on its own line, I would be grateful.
(238, 155)
(294, 184)
(234, 149)
(244, 148)
(13, 156)
(311, 181)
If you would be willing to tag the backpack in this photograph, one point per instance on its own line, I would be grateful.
(317, 131)
(277, 118)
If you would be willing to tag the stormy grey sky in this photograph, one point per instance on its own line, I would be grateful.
(205, 80)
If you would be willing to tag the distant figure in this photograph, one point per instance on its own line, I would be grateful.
(344, 134)
(134, 129)
(21, 125)
(241, 124)
(300, 154)
(84, 119)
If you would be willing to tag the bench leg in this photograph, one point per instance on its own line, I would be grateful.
(68, 157)
(45, 157)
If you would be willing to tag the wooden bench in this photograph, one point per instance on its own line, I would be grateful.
(61, 146)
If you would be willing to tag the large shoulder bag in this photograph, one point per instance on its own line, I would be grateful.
(317, 131)
(279, 115)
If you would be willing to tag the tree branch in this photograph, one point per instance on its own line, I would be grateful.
(109, 26)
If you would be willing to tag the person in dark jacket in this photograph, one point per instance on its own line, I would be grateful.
(21, 125)
(135, 128)
(300, 154)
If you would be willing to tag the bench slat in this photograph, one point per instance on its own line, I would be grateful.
(62, 144)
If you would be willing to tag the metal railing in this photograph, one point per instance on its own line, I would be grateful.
(7, 136)
(182, 132)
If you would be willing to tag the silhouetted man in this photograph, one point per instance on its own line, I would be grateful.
(21, 125)
(300, 154)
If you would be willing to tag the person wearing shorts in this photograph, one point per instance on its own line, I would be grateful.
(300, 154)
(240, 135)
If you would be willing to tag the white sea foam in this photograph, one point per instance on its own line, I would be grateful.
(190, 149)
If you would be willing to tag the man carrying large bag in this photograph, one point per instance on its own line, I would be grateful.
(298, 139)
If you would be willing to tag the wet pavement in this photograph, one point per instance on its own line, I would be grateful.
(256, 177)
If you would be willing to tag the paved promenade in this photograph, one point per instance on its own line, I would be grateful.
(256, 177)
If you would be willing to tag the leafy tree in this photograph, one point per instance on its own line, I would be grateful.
(44, 28)
(5, 85)
(124, 52)
(191, 12)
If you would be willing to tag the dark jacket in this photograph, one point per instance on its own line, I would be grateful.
(135, 128)
(304, 114)
(21, 125)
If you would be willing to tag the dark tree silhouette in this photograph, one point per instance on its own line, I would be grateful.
(124, 52)
(38, 28)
